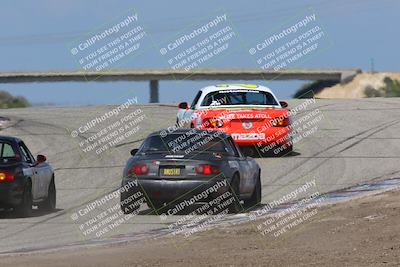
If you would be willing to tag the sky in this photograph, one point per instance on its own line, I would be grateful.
(39, 35)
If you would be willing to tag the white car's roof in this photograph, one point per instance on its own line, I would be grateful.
(227, 87)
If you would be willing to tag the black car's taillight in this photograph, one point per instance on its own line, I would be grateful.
(207, 169)
(6, 176)
(139, 169)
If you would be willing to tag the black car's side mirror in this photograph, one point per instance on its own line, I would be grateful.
(134, 151)
(40, 159)
(284, 104)
(183, 105)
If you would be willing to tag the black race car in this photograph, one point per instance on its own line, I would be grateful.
(170, 168)
(24, 181)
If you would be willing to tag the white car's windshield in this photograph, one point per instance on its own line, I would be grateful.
(238, 97)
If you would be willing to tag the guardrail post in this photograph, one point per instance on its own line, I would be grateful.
(154, 91)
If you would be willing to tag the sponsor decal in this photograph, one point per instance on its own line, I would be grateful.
(238, 91)
(247, 125)
(175, 156)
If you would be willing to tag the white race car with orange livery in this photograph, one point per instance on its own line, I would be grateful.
(251, 114)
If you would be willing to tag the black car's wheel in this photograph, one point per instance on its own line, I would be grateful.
(235, 207)
(25, 208)
(50, 203)
(255, 198)
(289, 149)
(285, 150)
(128, 206)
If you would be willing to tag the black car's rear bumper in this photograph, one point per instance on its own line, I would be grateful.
(169, 190)
(10, 194)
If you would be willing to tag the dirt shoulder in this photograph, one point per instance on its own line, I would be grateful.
(362, 232)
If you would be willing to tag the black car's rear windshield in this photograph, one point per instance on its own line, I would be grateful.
(185, 143)
(239, 97)
(7, 153)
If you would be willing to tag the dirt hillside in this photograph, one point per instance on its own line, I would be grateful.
(356, 87)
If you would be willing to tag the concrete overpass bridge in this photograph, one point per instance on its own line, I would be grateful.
(155, 75)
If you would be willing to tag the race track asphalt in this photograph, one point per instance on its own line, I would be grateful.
(355, 141)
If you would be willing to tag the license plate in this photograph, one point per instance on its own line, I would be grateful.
(249, 136)
(172, 172)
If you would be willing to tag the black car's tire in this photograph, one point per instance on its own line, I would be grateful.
(235, 206)
(255, 198)
(49, 204)
(287, 150)
(25, 208)
(128, 208)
